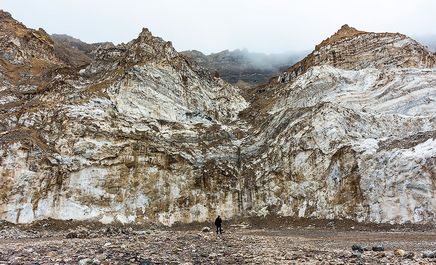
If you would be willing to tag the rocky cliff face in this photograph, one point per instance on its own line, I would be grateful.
(141, 134)
(134, 136)
(349, 132)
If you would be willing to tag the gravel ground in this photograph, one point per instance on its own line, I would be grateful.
(239, 244)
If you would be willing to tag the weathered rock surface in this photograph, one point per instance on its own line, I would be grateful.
(134, 136)
(141, 134)
(351, 49)
(352, 138)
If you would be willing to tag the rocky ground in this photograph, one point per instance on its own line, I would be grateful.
(75, 243)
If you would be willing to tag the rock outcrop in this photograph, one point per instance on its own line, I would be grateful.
(348, 132)
(351, 49)
(141, 134)
(134, 136)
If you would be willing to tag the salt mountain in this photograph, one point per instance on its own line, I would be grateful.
(143, 135)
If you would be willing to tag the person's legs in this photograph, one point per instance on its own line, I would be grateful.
(217, 229)
(221, 231)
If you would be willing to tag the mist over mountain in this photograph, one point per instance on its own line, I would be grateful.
(243, 67)
(428, 40)
(240, 66)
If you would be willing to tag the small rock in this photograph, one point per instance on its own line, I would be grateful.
(85, 261)
(357, 248)
(356, 254)
(71, 235)
(410, 255)
(205, 229)
(107, 244)
(144, 262)
(399, 252)
(429, 254)
(378, 248)
(29, 250)
(242, 225)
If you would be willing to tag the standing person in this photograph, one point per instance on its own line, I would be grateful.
(218, 223)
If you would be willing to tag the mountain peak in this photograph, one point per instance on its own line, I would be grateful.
(25, 46)
(146, 38)
(344, 32)
(347, 29)
(352, 49)
(148, 47)
(4, 14)
(145, 32)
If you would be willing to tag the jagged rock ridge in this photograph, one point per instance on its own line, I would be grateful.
(350, 49)
(74, 51)
(143, 135)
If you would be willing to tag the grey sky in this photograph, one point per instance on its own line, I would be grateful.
(269, 26)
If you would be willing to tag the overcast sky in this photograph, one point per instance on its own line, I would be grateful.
(270, 26)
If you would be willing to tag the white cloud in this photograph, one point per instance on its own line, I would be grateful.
(211, 26)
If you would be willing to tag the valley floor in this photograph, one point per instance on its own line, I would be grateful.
(48, 243)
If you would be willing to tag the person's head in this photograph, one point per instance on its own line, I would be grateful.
(219, 216)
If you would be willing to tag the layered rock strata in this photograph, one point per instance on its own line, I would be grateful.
(141, 134)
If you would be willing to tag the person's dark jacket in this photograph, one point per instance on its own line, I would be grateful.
(218, 221)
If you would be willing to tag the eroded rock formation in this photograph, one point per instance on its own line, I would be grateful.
(140, 134)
